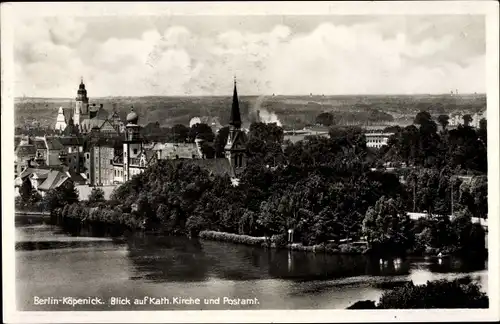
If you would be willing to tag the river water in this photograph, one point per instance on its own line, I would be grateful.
(52, 264)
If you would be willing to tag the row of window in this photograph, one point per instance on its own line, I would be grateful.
(377, 140)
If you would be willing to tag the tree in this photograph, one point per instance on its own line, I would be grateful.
(469, 238)
(207, 150)
(467, 119)
(325, 119)
(61, 196)
(483, 131)
(388, 226)
(96, 195)
(266, 132)
(26, 190)
(221, 141)
(350, 138)
(202, 131)
(180, 133)
(437, 294)
(69, 193)
(444, 121)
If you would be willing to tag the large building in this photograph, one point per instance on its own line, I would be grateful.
(236, 149)
(377, 140)
(88, 116)
(235, 159)
(91, 145)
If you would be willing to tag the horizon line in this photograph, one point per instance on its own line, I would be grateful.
(265, 95)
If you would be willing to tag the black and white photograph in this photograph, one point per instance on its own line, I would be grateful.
(249, 158)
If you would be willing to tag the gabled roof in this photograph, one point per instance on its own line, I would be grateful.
(25, 150)
(87, 124)
(102, 114)
(29, 171)
(71, 130)
(239, 138)
(42, 175)
(76, 177)
(54, 180)
(68, 114)
(53, 143)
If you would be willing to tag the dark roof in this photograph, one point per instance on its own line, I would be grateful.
(30, 171)
(219, 166)
(25, 150)
(235, 118)
(54, 180)
(53, 143)
(102, 114)
(239, 138)
(68, 114)
(93, 107)
(70, 140)
(71, 130)
(76, 177)
(104, 141)
(87, 124)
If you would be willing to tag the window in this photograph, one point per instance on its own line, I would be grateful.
(110, 161)
(135, 151)
(88, 155)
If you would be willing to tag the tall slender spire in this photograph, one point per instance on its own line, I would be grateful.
(235, 119)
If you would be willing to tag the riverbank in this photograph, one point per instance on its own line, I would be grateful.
(348, 248)
(279, 242)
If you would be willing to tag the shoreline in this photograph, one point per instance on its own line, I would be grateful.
(342, 249)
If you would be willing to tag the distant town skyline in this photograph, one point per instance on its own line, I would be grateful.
(285, 55)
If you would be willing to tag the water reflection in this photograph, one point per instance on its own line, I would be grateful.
(166, 259)
(51, 263)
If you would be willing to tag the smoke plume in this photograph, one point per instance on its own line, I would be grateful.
(261, 114)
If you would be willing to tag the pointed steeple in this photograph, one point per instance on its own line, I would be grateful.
(235, 119)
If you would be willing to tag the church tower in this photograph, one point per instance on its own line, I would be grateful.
(236, 148)
(132, 145)
(61, 120)
(82, 105)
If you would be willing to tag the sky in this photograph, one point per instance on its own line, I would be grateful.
(285, 55)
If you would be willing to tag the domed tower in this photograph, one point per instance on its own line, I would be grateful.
(82, 105)
(235, 148)
(132, 145)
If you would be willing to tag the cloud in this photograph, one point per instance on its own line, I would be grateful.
(377, 56)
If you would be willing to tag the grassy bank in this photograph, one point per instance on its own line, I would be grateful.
(279, 242)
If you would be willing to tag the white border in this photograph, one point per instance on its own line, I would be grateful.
(9, 12)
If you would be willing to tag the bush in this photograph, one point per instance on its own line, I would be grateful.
(279, 240)
(437, 294)
(364, 304)
(232, 238)
(351, 249)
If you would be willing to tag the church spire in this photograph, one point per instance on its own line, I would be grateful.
(235, 119)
